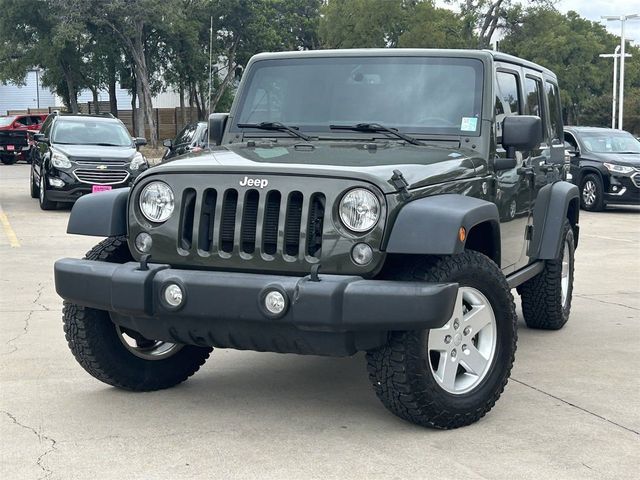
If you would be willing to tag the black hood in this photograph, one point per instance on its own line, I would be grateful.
(96, 152)
(630, 159)
(372, 162)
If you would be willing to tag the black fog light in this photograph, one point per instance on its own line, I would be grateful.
(144, 242)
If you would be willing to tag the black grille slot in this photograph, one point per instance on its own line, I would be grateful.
(227, 227)
(292, 224)
(270, 225)
(249, 221)
(186, 218)
(316, 222)
(207, 216)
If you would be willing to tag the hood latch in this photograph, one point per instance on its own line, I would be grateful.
(398, 181)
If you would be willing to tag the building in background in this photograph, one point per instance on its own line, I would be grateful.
(33, 95)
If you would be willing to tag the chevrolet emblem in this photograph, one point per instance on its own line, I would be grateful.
(101, 167)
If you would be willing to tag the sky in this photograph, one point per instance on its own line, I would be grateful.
(594, 9)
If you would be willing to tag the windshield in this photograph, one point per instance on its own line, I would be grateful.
(610, 142)
(6, 121)
(420, 95)
(88, 132)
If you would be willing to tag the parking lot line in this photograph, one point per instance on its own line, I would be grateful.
(8, 230)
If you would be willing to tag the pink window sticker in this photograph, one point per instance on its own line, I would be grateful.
(100, 188)
(10, 147)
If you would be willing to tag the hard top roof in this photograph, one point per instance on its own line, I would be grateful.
(405, 52)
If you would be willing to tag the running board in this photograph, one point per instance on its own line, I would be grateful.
(528, 272)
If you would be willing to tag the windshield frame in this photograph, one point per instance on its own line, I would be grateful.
(480, 101)
(82, 121)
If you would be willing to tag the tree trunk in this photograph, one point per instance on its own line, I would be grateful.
(140, 112)
(134, 110)
(113, 99)
(181, 121)
(71, 89)
(231, 69)
(96, 101)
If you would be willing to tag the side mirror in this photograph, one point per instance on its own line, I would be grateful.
(139, 141)
(167, 143)
(39, 137)
(573, 153)
(217, 124)
(521, 132)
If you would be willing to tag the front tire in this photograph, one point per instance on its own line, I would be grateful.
(546, 298)
(43, 197)
(592, 193)
(121, 357)
(451, 376)
(34, 190)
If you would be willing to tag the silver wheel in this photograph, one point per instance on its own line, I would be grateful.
(462, 351)
(589, 192)
(566, 273)
(147, 349)
(512, 209)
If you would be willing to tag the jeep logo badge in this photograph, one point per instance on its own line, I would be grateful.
(254, 182)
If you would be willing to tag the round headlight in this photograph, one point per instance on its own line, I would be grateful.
(156, 201)
(359, 210)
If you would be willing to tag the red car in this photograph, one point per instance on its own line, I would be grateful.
(15, 139)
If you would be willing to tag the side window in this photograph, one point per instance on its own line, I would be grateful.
(24, 121)
(532, 92)
(507, 99)
(568, 138)
(507, 96)
(46, 126)
(555, 112)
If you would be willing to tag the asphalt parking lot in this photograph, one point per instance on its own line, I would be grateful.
(570, 410)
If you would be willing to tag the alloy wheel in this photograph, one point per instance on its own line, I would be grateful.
(589, 192)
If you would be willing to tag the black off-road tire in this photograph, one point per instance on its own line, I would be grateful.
(598, 204)
(400, 372)
(8, 159)
(95, 343)
(541, 296)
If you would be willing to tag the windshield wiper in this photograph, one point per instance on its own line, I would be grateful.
(109, 145)
(376, 127)
(281, 127)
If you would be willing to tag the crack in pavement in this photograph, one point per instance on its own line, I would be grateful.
(38, 295)
(25, 330)
(588, 297)
(582, 409)
(47, 471)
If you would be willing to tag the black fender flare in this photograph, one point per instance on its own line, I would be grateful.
(555, 202)
(101, 214)
(431, 225)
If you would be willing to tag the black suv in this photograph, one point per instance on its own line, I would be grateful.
(605, 164)
(80, 154)
(192, 138)
(354, 203)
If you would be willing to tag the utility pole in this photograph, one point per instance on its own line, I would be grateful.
(622, 19)
(615, 56)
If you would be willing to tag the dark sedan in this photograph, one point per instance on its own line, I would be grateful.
(192, 138)
(605, 164)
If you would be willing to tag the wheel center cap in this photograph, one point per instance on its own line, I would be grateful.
(457, 339)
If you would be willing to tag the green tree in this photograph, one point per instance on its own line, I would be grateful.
(432, 27)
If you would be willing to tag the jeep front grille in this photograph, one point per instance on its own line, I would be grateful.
(252, 222)
(101, 177)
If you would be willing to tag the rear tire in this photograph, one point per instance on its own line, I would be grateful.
(101, 349)
(8, 159)
(405, 373)
(546, 298)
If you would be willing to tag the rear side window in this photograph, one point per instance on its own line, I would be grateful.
(186, 135)
(555, 112)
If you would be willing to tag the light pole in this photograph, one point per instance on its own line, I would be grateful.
(622, 19)
(615, 56)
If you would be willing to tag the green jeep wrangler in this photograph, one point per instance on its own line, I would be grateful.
(384, 201)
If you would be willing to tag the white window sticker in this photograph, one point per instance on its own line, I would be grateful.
(469, 124)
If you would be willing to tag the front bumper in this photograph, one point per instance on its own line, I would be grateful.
(337, 315)
(624, 189)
